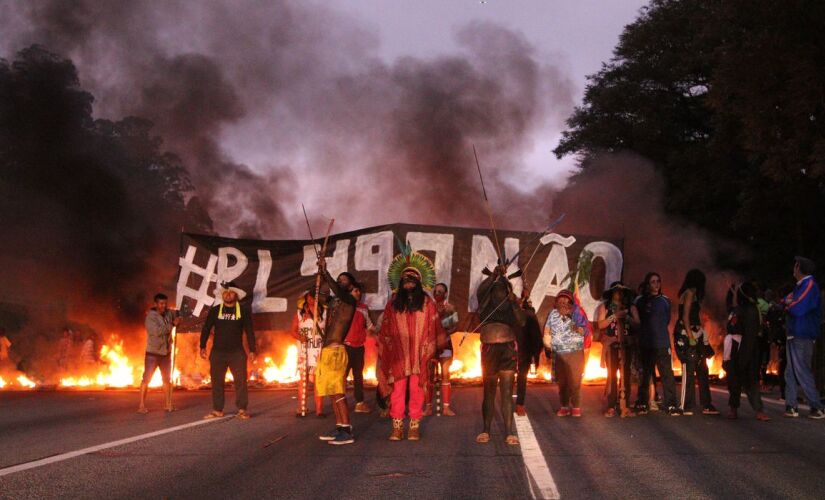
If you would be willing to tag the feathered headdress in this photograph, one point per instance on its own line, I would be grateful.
(408, 260)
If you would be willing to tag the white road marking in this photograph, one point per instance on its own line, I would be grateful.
(85, 451)
(764, 399)
(535, 462)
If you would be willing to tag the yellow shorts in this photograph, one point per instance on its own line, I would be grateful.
(332, 368)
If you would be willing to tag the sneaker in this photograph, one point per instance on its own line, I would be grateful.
(641, 410)
(330, 436)
(520, 411)
(687, 411)
(674, 411)
(791, 412)
(343, 436)
(563, 412)
(817, 414)
(654, 406)
(710, 410)
(762, 416)
(577, 412)
(362, 407)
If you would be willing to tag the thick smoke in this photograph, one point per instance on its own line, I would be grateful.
(299, 90)
(272, 104)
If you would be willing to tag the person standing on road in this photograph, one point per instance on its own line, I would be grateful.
(567, 336)
(410, 336)
(309, 347)
(529, 343)
(501, 317)
(804, 318)
(159, 323)
(613, 319)
(742, 352)
(228, 321)
(330, 376)
(449, 320)
(651, 314)
(354, 342)
(692, 344)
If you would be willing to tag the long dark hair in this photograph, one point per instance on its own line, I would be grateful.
(648, 276)
(694, 279)
(409, 300)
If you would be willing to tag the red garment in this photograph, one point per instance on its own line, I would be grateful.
(357, 334)
(407, 341)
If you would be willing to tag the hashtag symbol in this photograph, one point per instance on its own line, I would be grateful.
(207, 274)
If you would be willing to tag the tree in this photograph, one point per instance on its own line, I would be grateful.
(96, 203)
(726, 98)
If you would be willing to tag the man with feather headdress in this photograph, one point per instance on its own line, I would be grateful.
(411, 334)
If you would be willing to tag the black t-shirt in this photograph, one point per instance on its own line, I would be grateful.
(228, 328)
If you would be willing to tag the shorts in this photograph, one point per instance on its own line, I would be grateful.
(153, 361)
(498, 357)
(332, 368)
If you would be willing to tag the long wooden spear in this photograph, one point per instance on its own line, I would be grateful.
(318, 255)
(489, 209)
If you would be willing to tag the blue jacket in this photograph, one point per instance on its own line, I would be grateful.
(804, 310)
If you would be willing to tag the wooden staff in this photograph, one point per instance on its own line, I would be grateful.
(318, 254)
(489, 210)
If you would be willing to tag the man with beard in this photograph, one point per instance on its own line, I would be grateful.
(228, 321)
(500, 316)
(411, 334)
(332, 363)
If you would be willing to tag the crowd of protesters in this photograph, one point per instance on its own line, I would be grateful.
(633, 326)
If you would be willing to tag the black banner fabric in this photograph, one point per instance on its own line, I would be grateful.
(275, 273)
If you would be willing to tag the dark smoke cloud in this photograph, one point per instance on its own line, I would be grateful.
(300, 88)
(270, 104)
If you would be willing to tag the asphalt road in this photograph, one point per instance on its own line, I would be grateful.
(275, 455)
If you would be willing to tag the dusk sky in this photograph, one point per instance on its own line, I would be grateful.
(276, 93)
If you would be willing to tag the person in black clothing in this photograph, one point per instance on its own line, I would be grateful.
(529, 342)
(650, 313)
(613, 320)
(228, 321)
(692, 344)
(743, 367)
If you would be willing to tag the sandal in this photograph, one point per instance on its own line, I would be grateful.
(143, 411)
(483, 438)
(512, 440)
(213, 414)
(243, 415)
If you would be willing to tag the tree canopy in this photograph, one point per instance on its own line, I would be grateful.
(728, 100)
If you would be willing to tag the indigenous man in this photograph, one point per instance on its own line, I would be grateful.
(159, 323)
(500, 316)
(410, 336)
(228, 320)
(449, 321)
(332, 364)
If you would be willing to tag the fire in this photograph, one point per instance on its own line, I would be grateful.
(2, 383)
(286, 373)
(119, 370)
(25, 382)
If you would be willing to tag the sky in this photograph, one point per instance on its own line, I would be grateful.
(577, 34)
(263, 99)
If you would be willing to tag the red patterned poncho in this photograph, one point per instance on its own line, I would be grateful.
(407, 341)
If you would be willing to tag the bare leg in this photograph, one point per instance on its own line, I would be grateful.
(446, 388)
(144, 388)
(488, 406)
(341, 410)
(507, 379)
